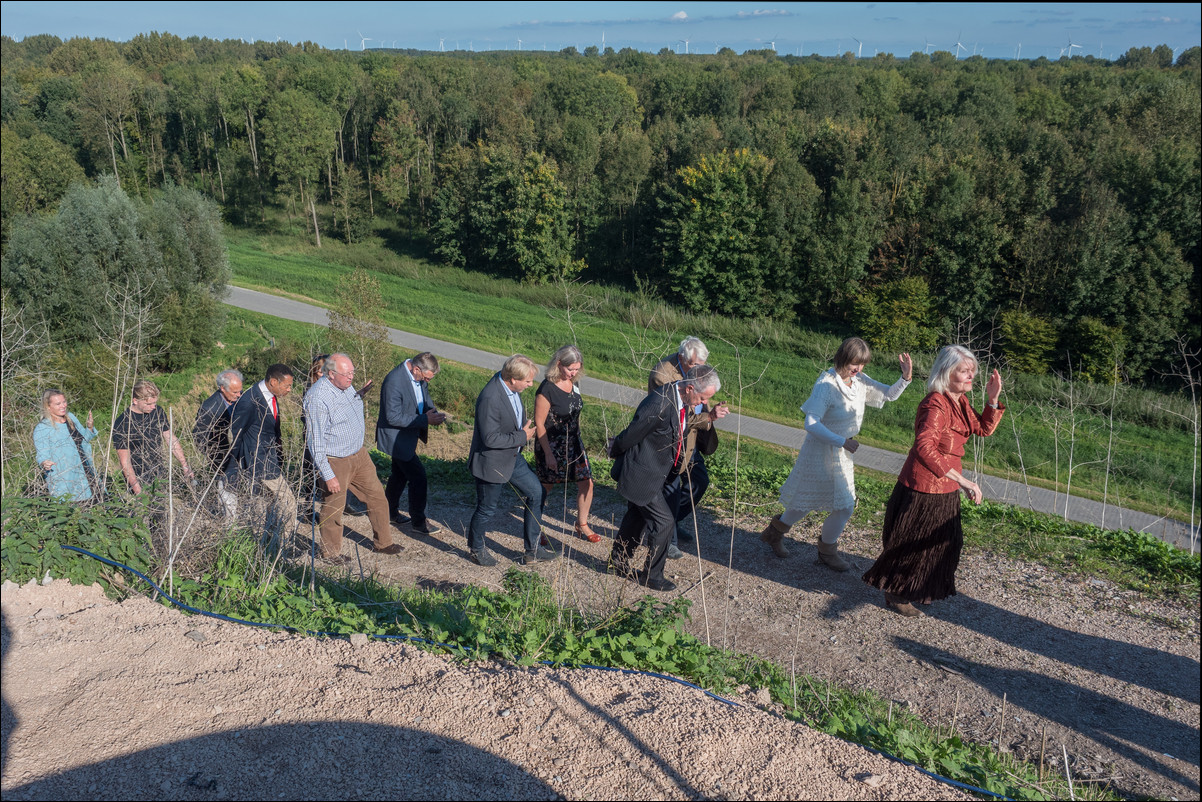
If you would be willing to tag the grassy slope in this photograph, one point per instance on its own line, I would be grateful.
(776, 374)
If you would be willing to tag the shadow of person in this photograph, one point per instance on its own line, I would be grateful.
(1142, 737)
(319, 760)
(8, 716)
(1156, 670)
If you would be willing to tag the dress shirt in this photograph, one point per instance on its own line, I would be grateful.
(417, 388)
(515, 400)
(335, 424)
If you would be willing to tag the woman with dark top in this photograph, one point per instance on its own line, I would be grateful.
(64, 452)
(922, 536)
(560, 456)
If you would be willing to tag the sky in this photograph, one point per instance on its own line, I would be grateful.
(995, 30)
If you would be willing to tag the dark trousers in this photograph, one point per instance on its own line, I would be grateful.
(698, 481)
(657, 519)
(409, 472)
(489, 496)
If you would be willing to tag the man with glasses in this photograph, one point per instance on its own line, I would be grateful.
(211, 433)
(334, 416)
(406, 415)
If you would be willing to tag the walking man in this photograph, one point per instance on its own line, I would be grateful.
(211, 433)
(334, 417)
(406, 415)
(648, 456)
(257, 449)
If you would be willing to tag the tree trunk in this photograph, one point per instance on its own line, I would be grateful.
(316, 233)
(250, 136)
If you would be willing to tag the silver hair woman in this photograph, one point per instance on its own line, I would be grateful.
(822, 477)
(922, 536)
(559, 455)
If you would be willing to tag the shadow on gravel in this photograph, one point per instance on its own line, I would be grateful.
(323, 760)
(1155, 670)
(1111, 723)
(681, 787)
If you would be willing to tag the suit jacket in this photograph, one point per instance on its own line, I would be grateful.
(211, 433)
(400, 426)
(645, 453)
(496, 439)
(700, 433)
(258, 451)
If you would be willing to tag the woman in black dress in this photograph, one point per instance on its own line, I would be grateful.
(559, 456)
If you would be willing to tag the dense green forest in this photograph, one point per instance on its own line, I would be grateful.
(1049, 208)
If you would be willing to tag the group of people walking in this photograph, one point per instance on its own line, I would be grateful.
(658, 459)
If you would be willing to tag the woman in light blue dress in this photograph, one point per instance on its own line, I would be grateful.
(64, 450)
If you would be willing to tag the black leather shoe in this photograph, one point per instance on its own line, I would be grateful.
(483, 558)
(399, 520)
(656, 583)
(540, 556)
(426, 527)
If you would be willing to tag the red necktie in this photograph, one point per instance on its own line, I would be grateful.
(680, 442)
(275, 410)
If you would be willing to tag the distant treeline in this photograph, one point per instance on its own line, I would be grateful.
(1050, 206)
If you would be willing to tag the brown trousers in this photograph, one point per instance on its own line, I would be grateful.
(356, 473)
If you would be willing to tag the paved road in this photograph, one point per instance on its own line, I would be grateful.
(994, 488)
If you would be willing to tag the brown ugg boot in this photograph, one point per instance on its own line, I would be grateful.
(829, 554)
(774, 535)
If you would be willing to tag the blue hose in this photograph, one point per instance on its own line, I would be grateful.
(452, 648)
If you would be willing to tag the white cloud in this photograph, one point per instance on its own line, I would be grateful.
(680, 16)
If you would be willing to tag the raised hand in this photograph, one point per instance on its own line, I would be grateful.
(993, 388)
(907, 366)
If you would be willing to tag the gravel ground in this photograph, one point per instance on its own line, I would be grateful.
(136, 701)
(1109, 676)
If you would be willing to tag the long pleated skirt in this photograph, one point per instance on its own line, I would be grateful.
(922, 539)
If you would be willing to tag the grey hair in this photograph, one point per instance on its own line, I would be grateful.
(331, 363)
(950, 357)
(425, 361)
(693, 350)
(568, 355)
(703, 378)
(226, 377)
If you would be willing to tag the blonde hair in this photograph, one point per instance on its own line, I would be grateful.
(518, 366)
(950, 357)
(145, 388)
(47, 397)
(568, 355)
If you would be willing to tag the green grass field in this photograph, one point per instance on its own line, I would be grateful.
(1143, 460)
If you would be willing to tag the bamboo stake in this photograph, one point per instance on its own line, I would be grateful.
(1068, 774)
(955, 712)
(1001, 725)
(1043, 745)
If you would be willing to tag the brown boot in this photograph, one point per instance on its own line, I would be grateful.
(829, 554)
(774, 535)
(901, 606)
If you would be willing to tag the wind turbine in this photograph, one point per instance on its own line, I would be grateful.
(363, 40)
(860, 49)
(441, 44)
(1018, 54)
(1069, 47)
(959, 46)
(772, 44)
(686, 45)
(519, 44)
(926, 50)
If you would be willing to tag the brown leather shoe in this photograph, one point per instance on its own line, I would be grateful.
(902, 606)
(395, 548)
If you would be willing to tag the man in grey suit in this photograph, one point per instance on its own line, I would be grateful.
(495, 459)
(647, 456)
(406, 415)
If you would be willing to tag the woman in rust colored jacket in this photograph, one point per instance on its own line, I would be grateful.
(922, 534)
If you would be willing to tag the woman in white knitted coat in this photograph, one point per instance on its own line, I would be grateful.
(822, 477)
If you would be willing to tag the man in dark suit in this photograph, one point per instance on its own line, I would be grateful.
(648, 455)
(495, 459)
(211, 433)
(406, 415)
(257, 453)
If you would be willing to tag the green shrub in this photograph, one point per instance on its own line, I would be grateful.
(1028, 341)
(897, 316)
(1094, 351)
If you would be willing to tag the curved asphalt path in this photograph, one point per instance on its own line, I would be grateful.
(995, 489)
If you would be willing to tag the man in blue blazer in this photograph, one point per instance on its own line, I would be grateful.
(648, 455)
(495, 460)
(406, 415)
(257, 451)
